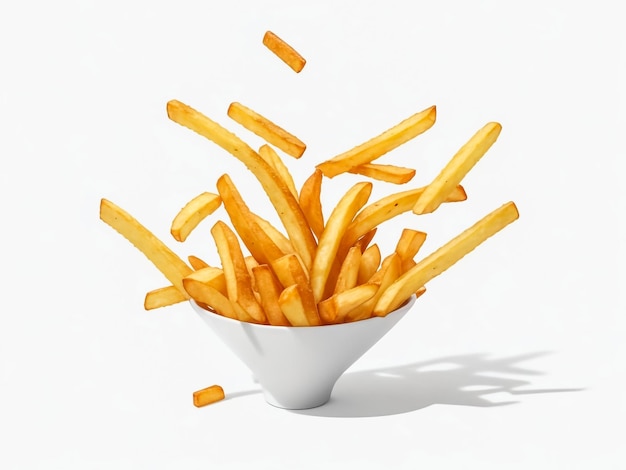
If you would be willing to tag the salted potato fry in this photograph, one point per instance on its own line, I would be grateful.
(271, 157)
(339, 219)
(440, 260)
(380, 145)
(349, 272)
(280, 240)
(409, 243)
(290, 303)
(388, 173)
(166, 261)
(365, 240)
(389, 271)
(269, 290)
(370, 260)
(208, 395)
(311, 204)
(281, 197)
(163, 297)
(205, 294)
(266, 129)
(210, 276)
(238, 282)
(456, 169)
(259, 243)
(334, 308)
(194, 212)
(197, 263)
(284, 51)
(289, 271)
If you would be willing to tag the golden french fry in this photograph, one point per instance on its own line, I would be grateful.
(207, 295)
(388, 173)
(365, 240)
(210, 276)
(419, 292)
(443, 258)
(348, 274)
(334, 308)
(238, 281)
(370, 260)
(259, 243)
(271, 157)
(378, 146)
(409, 243)
(266, 129)
(339, 219)
(208, 395)
(197, 263)
(290, 303)
(269, 290)
(389, 271)
(460, 164)
(284, 51)
(280, 240)
(282, 199)
(163, 297)
(311, 203)
(194, 212)
(166, 261)
(289, 271)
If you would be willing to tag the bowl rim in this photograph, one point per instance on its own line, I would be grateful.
(408, 303)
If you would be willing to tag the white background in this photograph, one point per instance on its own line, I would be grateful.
(513, 359)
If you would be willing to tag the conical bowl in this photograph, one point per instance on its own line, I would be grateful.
(297, 367)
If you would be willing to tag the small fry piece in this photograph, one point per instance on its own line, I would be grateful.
(266, 129)
(409, 243)
(194, 212)
(380, 145)
(271, 157)
(166, 261)
(311, 203)
(163, 297)
(269, 290)
(456, 169)
(196, 263)
(339, 219)
(210, 276)
(334, 308)
(208, 395)
(443, 258)
(348, 274)
(284, 51)
(207, 295)
(290, 303)
(370, 260)
(388, 173)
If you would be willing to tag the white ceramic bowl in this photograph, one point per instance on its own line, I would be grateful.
(297, 367)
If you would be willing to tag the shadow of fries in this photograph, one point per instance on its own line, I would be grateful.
(465, 380)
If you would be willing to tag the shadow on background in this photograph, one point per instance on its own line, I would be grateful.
(465, 380)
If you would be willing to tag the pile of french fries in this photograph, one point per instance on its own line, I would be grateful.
(318, 268)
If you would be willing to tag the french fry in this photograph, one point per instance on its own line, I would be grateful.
(238, 282)
(388, 173)
(365, 240)
(311, 204)
(460, 164)
(281, 197)
(163, 297)
(280, 240)
(210, 276)
(370, 260)
(197, 263)
(284, 51)
(271, 157)
(380, 145)
(194, 212)
(339, 219)
(166, 261)
(443, 258)
(334, 308)
(269, 290)
(266, 129)
(208, 395)
(261, 246)
(207, 295)
(349, 272)
(290, 303)
(409, 243)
